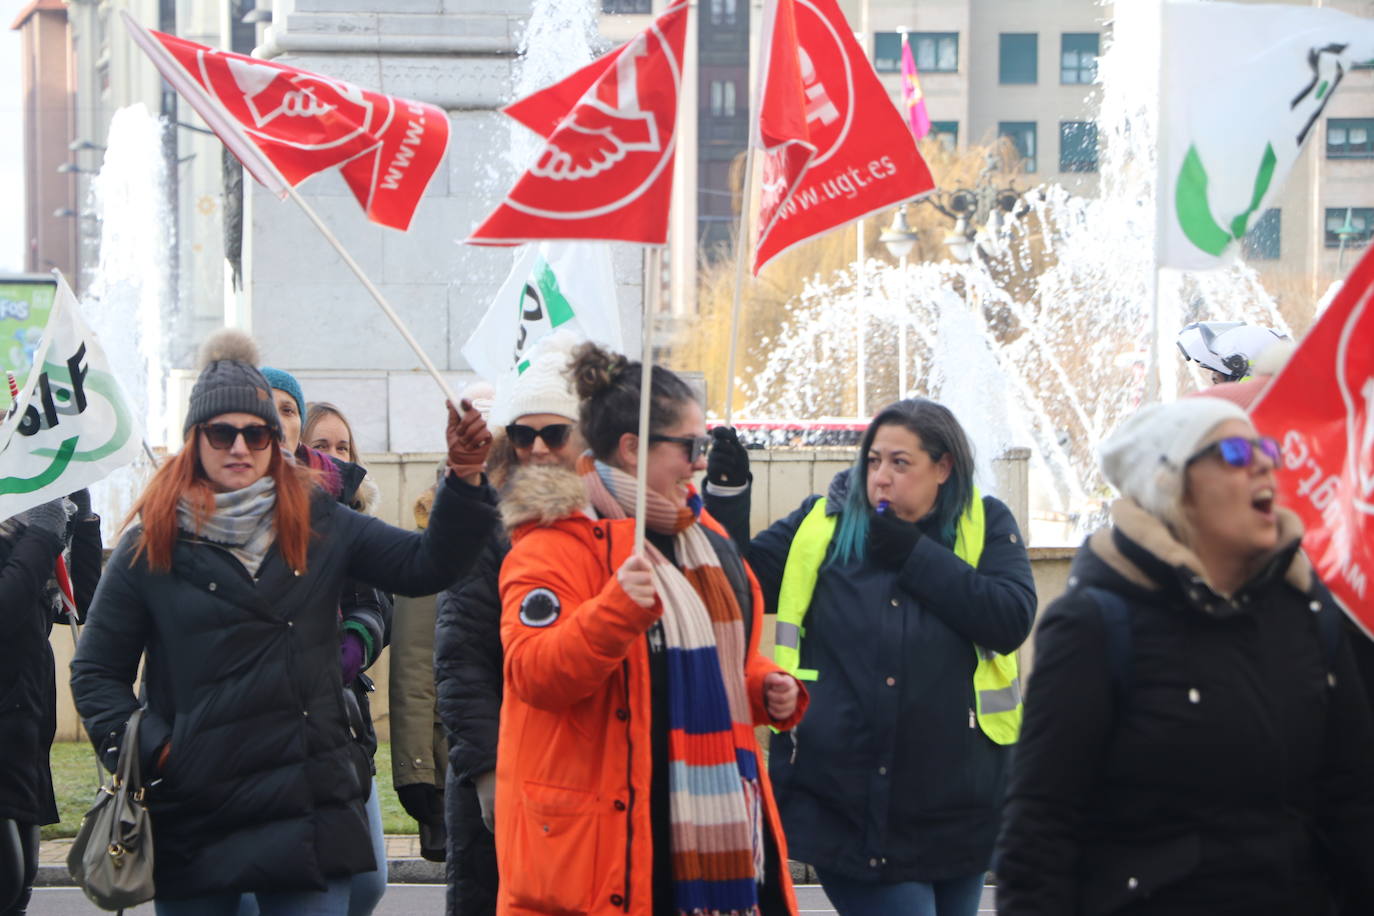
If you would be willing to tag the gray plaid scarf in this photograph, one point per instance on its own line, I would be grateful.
(242, 522)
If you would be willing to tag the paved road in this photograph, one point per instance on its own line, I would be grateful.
(400, 900)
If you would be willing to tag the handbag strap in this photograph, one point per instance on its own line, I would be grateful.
(127, 769)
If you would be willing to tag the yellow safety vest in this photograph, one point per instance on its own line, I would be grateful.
(996, 679)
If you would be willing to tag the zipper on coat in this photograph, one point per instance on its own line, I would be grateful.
(793, 758)
(972, 718)
(629, 783)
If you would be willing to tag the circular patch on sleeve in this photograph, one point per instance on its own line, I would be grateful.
(540, 608)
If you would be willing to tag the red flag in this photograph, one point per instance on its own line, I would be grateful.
(1321, 408)
(286, 124)
(606, 170)
(821, 94)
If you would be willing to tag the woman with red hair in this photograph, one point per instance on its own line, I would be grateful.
(230, 584)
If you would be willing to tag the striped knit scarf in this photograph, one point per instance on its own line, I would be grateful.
(713, 779)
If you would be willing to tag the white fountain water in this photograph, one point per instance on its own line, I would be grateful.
(130, 302)
(1044, 339)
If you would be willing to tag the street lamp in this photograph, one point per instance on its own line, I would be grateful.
(899, 240)
(1345, 234)
(70, 167)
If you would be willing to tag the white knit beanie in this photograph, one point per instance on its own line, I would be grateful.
(543, 387)
(1145, 457)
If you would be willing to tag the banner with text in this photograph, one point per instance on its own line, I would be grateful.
(71, 425)
(1321, 408)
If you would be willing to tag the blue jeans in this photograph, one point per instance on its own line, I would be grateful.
(369, 886)
(365, 889)
(333, 901)
(952, 897)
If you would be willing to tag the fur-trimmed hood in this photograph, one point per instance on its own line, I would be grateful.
(543, 495)
(1140, 549)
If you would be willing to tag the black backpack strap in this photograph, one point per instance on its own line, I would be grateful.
(1116, 624)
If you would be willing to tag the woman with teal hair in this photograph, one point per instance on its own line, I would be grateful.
(902, 596)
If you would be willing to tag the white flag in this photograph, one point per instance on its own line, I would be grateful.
(1243, 90)
(567, 286)
(72, 425)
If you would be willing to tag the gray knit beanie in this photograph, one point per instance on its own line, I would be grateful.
(230, 382)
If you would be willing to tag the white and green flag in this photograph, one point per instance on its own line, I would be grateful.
(1243, 90)
(554, 286)
(71, 425)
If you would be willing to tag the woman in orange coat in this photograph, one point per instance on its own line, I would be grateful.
(627, 772)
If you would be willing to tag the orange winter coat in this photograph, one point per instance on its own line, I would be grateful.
(573, 760)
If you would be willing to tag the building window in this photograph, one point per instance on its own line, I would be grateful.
(626, 6)
(1022, 136)
(1350, 138)
(723, 12)
(1078, 57)
(934, 52)
(1361, 220)
(1077, 146)
(1261, 243)
(947, 132)
(723, 98)
(1019, 59)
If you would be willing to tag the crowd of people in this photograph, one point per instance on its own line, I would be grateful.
(576, 720)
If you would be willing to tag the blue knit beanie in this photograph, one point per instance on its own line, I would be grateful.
(285, 381)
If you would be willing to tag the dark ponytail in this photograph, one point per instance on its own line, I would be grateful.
(607, 385)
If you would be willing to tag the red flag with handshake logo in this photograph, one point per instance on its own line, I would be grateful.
(835, 147)
(1321, 408)
(606, 169)
(286, 124)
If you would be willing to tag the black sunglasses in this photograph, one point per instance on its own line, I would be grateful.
(222, 435)
(554, 435)
(697, 446)
(1239, 452)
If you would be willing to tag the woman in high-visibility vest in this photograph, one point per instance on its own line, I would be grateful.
(902, 596)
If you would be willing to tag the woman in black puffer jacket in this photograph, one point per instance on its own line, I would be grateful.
(231, 585)
(1197, 740)
(30, 544)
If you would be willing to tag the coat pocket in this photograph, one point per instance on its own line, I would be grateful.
(1121, 875)
(557, 832)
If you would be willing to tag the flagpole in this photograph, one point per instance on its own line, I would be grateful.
(266, 171)
(653, 280)
(741, 255)
(1154, 368)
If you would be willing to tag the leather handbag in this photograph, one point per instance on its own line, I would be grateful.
(112, 856)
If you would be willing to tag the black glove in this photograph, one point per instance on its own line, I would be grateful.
(728, 463)
(891, 540)
(82, 499)
(422, 801)
(51, 517)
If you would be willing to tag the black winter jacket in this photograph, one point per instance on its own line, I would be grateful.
(264, 784)
(888, 778)
(467, 671)
(1224, 773)
(28, 691)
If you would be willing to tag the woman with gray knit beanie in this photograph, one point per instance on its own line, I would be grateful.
(230, 584)
(1196, 738)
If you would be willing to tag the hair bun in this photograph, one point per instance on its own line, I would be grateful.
(228, 343)
(593, 370)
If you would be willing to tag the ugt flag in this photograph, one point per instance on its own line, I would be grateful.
(606, 169)
(288, 124)
(1321, 408)
(913, 98)
(71, 425)
(835, 148)
(555, 286)
(1244, 88)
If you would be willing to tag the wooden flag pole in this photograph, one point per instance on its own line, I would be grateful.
(741, 257)
(653, 279)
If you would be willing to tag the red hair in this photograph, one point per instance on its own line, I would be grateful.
(181, 476)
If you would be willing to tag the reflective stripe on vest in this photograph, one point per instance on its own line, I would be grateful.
(996, 679)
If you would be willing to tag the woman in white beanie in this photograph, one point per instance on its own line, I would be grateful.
(1196, 738)
(540, 411)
